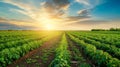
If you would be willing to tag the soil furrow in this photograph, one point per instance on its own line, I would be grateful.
(74, 62)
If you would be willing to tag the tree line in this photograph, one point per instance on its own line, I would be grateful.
(111, 29)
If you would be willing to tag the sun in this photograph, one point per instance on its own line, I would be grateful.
(49, 27)
(47, 22)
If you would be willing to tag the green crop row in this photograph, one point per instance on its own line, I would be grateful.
(98, 57)
(107, 39)
(11, 36)
(62, 57)
(7, 36)
(20, 42)
(111, 49)
(112, 39)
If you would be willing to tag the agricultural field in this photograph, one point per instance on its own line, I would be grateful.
(59, 49)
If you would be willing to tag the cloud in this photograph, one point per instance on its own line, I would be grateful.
(14, 23)
(2, 19)
(63, 4)
(27, 9)
(93, 24)
(93, 21)
(55, 8)
(85, 2)
(14, 20)
(5, 24)
(84, 12)
(89, 3)
(83, 15)
(9, 26)
(21, 4)
(77, 18)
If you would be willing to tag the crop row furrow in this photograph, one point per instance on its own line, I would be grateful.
(98, 57)
(111, 49)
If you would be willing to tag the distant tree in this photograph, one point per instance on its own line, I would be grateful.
(117, 29)
(114, 29)
(9, 30)
(98, 30)
(111, 29)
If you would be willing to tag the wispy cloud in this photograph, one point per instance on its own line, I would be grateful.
(84, 12)
(89, 3)
(85, 2)
(2, 19)
(96, 24)
(10, 26)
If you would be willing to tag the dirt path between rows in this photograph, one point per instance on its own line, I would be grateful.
(40, 57)
(75, 64)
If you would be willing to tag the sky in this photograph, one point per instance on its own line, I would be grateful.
(59, 14)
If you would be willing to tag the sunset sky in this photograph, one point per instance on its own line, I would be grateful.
(59, 14)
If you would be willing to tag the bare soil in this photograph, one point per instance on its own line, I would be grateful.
(74, 63)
